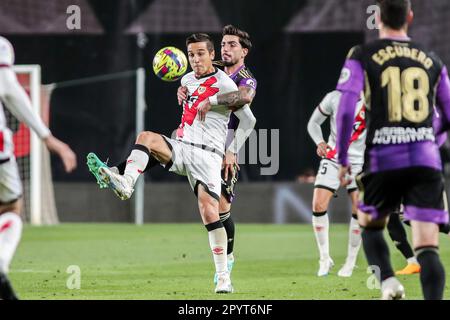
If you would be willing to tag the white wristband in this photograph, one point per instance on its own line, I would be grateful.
(213, 100)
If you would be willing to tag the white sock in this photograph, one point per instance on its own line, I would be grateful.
(230, 257)
(136, 163)
(412, 260)
(354, 239)
(10, 233)
(321, 226)
(218, 242)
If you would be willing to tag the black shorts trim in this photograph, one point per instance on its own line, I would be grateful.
(212, 194)
(4, 161)
(352, 190)
(319, 186)
(11, 201)
(170, 163)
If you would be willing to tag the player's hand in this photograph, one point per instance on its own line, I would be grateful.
(203, 108)
(181, 94)
(229, 164)
(66, 154)
(322, 149)
(345, 175)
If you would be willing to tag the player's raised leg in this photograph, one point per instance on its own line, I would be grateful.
(209, 211)
(354, 238)
(149, 147)
(320, 223)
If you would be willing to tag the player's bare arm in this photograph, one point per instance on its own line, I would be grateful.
(233, 100)
(63, 150)
(237, 99)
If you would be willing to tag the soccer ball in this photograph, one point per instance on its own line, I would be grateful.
(169, 64)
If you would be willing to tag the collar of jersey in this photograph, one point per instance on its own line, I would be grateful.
(237, 71)
(397, 38)
(207, 75)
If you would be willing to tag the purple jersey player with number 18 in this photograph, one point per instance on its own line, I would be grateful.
(401, 80)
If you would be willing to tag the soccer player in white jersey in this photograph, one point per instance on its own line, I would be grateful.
(327, 181)
(235, 47)
(197, 151)
(14, 97)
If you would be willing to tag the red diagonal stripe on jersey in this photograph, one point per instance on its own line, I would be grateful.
(359, 119)
(203, 91)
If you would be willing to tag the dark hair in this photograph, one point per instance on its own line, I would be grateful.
(201, 37)
(244, 37)
(394, 13)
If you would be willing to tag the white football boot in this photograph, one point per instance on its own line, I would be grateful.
(347, 269)
(392, 289)
(121, 185)
(224, 283)
(324, 267)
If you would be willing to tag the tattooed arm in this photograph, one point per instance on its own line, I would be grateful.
(236, 99)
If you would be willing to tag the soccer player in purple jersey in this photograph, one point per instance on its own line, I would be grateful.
(235, 47)
(401, 80)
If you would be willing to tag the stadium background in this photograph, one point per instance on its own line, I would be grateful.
(299, 47)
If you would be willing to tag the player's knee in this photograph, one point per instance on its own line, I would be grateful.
(14, 207)
(319, 206)
(148, 139)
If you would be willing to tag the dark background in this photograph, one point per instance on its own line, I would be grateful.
(294, 71)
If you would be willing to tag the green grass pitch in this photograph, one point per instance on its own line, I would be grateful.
(173, 261)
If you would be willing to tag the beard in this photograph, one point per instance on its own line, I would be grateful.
(228, 63)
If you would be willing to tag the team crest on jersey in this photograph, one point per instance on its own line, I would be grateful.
(250, 82)
(345, 75)
(201, 90)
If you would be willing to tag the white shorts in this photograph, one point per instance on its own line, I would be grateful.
(200, 166)
(10, 183)
(328, 176)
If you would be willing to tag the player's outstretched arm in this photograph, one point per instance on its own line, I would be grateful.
(17, 101)
(63, 150)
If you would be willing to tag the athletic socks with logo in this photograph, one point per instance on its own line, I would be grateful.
(218, 243)
(137, 161)
(320, 224)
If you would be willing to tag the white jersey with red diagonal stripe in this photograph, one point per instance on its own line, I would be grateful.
(213, 131)
(328, 107)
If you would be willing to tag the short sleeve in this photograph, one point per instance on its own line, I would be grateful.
(352, 74)
(248, 82)
(329, 103)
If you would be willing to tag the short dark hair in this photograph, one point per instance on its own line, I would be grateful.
(201, 37)
(394, 13)
(244, 37)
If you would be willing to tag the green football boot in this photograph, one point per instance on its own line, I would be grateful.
(94, 164)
